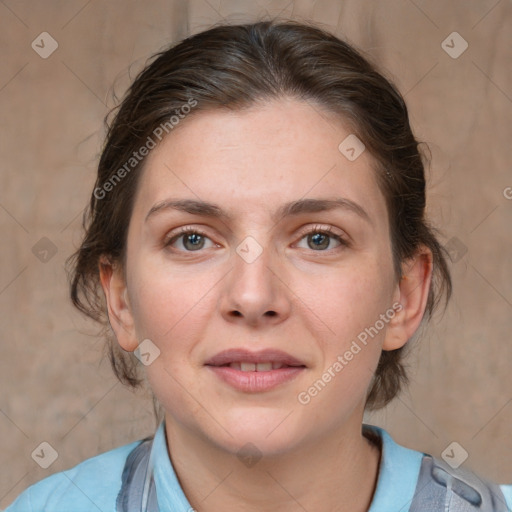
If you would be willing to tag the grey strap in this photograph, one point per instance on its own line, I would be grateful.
(443, 489)
(138, 493)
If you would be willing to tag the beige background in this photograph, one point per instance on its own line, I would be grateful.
(55, 386)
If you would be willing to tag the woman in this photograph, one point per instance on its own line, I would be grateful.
(256, 239)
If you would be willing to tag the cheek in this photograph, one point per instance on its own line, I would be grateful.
(167, 304)
(172, 309)
(347, 307)
(343, 303)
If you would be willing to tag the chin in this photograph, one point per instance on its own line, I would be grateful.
(270, 432)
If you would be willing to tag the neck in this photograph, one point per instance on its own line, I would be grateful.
(338, 473)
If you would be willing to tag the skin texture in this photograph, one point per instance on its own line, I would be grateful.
(193, 304)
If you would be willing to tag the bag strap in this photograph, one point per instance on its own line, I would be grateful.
(441, 488)
(138, 492)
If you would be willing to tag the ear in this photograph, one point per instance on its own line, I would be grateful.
(412, 293)
(119, 312)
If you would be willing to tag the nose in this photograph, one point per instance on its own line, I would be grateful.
(255, 292)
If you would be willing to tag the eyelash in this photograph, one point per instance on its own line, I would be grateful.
(315, 230)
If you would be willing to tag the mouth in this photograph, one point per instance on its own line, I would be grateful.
(254, 372)
(246, 366)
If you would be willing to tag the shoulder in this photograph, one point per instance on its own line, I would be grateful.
(461, 489)
(427, 483)
(91, 485)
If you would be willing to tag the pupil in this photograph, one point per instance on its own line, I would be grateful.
(318, 237)
(195, 239)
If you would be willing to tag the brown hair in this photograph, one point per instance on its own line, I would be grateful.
(234, 67)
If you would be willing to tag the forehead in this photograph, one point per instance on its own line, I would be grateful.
(261, 157)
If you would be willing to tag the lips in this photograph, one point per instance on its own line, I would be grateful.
(255, 372)
(245, 360)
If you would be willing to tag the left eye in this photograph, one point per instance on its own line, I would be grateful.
(321, 238)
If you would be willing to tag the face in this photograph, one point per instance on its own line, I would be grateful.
(249, 276)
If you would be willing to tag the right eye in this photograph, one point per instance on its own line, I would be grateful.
(193, 239)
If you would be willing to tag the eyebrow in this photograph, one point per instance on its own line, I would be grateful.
(293, 208)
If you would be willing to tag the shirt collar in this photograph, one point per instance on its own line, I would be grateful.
(168, 489)
(398, 474)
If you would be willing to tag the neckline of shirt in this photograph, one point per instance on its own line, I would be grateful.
(396, 481)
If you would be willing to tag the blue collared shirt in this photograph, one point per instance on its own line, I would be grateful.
(94, 484)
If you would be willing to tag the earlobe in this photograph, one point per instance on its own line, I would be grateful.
(412, 292)
(118, 307)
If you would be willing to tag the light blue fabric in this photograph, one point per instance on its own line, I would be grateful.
(507, 492)
(168, 490)
(398, 474)
(94, 484)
